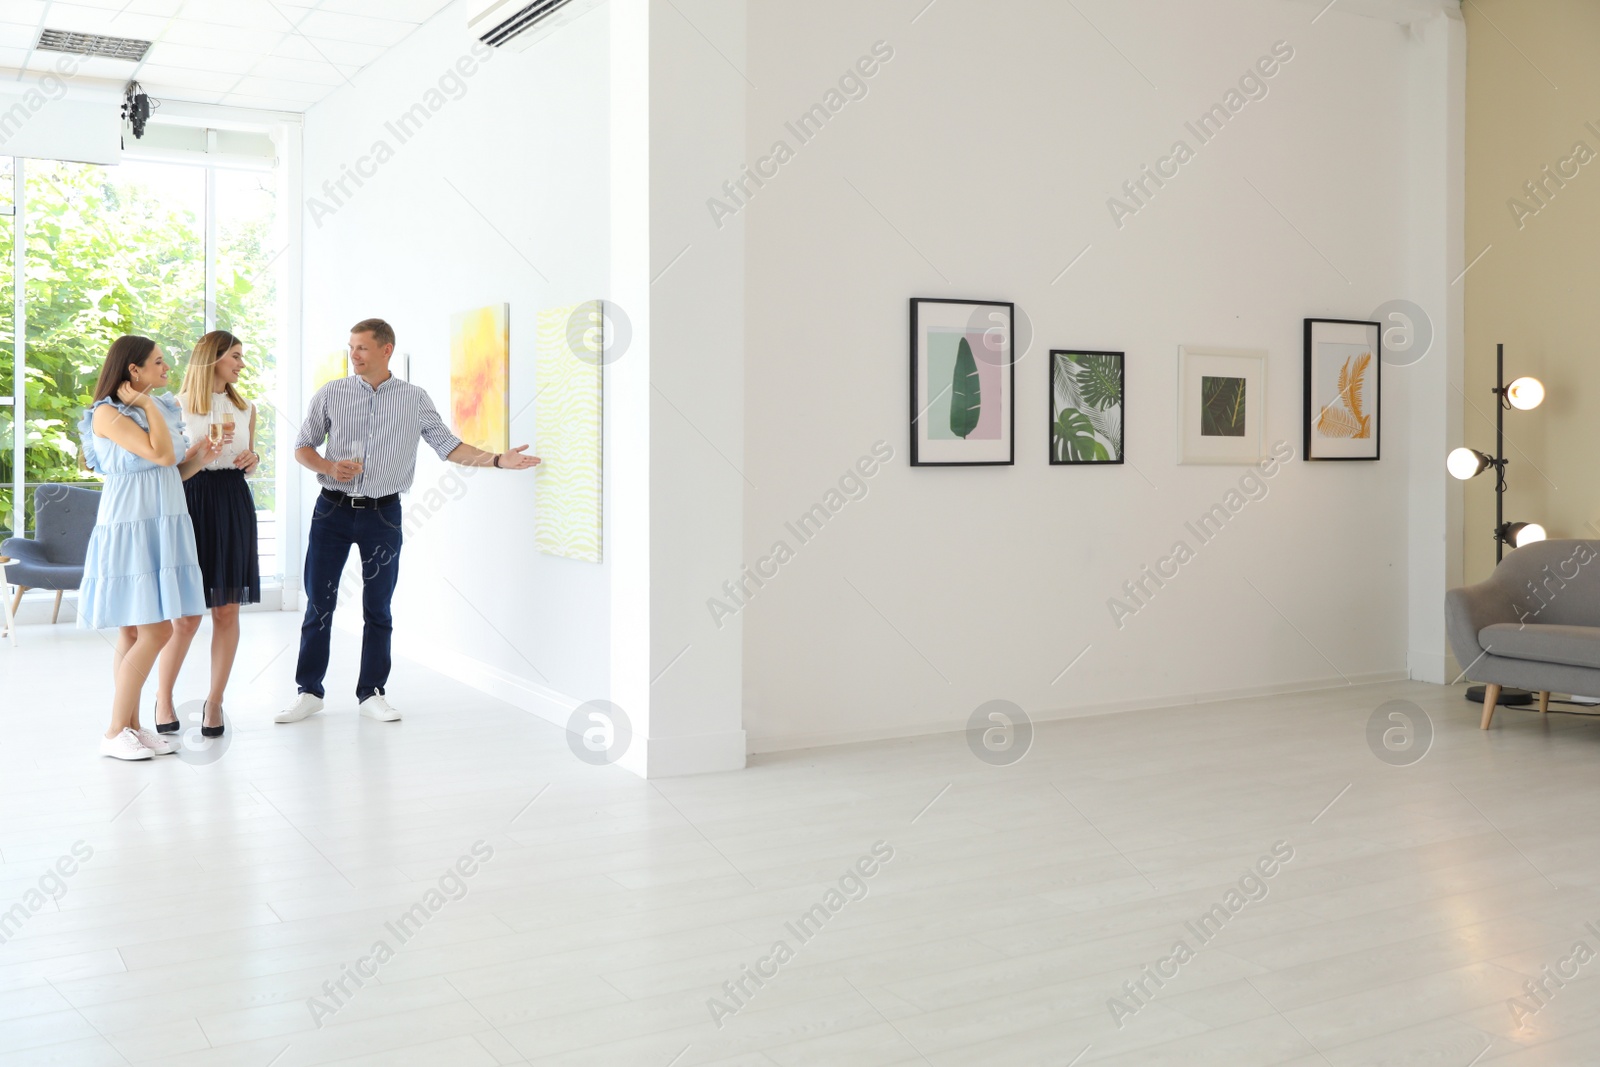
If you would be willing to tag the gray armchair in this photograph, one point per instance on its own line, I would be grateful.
(64, 516)
(1534, 623)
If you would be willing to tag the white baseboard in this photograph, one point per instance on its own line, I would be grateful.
(850, 737)
(549, 704)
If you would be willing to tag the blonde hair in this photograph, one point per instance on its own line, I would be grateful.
(199, 379)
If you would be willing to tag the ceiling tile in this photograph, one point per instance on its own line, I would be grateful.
(253, 14)
(216, 35)
(355, 28)
(417, 11)
(163, 8)
(87, 66)
(191, 58)
(345, 53)
(104, 21)
(16, 35)
(299, 70)
(288, 90)
(157, 79)
(29, 11)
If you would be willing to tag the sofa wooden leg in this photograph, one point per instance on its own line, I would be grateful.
(17, 603)
(56, 612)
(1544, 702)
(1491, 697)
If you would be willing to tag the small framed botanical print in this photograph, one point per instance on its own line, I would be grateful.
(963, 383)
(1222, 404)
(1086, 405)
(1343, 388)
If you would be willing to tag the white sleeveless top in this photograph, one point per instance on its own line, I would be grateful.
(198, 426)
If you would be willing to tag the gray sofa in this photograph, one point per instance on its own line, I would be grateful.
(1534, 624)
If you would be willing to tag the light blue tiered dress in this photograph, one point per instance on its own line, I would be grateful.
(141, 567)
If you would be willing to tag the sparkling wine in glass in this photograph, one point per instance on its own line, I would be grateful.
(214, 431)
(227, 426)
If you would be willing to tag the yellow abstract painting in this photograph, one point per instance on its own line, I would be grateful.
(330, 366)
(568, 514)
(480, 369)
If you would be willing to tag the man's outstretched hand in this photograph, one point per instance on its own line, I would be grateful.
(514, 460)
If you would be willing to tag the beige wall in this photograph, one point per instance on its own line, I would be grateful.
(1532, 85)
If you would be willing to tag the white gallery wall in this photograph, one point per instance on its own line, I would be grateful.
(502, 195)
(978, 162)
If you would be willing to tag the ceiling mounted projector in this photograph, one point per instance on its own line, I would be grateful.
(521, 23)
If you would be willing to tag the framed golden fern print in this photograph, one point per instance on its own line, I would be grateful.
(1344, 364)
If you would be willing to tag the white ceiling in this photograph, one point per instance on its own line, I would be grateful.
(282, 55)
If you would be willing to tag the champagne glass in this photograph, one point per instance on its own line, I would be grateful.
(227, 426)
(214, 431)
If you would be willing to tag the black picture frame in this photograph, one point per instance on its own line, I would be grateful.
(1122, 404)
(919, 404)
(1308, 439)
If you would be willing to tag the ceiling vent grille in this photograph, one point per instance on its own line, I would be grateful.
(93, 44)
(498, 22)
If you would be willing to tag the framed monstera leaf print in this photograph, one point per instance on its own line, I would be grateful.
(1086, 406)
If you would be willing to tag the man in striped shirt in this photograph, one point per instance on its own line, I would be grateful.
(371, 423)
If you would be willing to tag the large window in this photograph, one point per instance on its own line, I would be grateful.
(161, 249)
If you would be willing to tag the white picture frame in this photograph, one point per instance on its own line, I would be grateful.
(1222, 405)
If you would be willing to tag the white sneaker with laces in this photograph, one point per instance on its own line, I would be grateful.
(305, 705)
(375, 707)
(125, 745)
(160, 744)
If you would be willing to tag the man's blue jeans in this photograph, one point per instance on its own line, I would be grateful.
(376, 534)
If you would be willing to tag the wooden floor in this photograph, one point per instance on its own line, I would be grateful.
(217, 899)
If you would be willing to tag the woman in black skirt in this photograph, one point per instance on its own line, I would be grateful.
(224, 517)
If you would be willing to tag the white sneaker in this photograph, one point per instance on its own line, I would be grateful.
(306, 704)
(160, 744)
(375, 707)
(125, 745)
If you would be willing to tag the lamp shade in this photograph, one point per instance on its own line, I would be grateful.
(1517, 534)
(1525, 394)
(1467, 463)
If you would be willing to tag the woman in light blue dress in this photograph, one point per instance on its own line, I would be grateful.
(141, 571)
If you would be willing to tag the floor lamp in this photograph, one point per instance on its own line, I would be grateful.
(1524, 394)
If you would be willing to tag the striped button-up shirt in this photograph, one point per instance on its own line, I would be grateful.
(380, 427)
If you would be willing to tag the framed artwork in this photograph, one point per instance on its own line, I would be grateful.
(1086, 404)
(963, 383)
(480, 369)
(1344, 388)
(1222, 404)
(567, 518)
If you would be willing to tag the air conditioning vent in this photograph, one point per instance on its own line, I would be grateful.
(499, 22)
(93, 44)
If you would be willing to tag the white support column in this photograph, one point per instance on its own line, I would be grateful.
(675, 400)
(1437, 218)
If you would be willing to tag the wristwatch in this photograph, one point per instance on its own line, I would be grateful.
(497, 459)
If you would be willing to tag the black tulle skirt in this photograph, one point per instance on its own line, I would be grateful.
(224, 517)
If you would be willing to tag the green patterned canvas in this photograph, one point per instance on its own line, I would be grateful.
(567, 518)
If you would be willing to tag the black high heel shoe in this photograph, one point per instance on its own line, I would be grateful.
(209, 731)
(165, 727)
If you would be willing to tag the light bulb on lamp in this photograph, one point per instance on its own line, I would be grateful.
(1467, 463)
(1518, 534)
(1525, 394)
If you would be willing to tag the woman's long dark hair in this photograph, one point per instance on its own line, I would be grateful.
(127, 351)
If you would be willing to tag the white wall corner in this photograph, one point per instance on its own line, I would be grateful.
(1436, 212)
